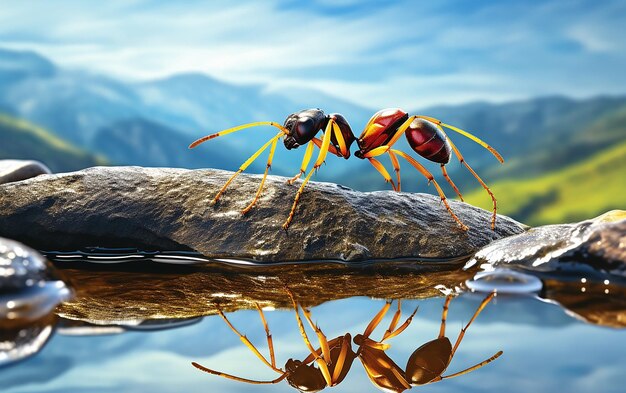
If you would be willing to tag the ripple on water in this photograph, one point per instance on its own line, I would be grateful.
(505, 281)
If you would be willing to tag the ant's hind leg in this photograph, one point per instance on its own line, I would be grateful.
(431, 179)
(461, 159)
(444, 316)
(236, 378)
(449, 180)
(482, 305)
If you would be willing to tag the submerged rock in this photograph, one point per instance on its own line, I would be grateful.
(597, 245)
(17, 170)
(169, 209)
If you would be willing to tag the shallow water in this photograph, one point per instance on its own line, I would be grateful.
(145, 343)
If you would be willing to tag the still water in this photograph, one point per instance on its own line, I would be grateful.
(546, 348)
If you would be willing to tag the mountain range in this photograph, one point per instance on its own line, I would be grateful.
(151, 123)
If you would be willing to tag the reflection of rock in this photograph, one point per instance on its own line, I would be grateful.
(126, 296)
(169, 209)
(599, 303)
(16, 170)
(29, 294)
(594, 246)
(23, 338)
(75, 327)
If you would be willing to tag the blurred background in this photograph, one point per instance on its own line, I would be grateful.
(134, 82)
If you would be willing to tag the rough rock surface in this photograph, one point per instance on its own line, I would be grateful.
(595, 245)
(17, 170)
(169, 209)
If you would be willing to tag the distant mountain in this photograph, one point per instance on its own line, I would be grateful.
(79, 106)
(22, 140)
(582, 190)
(548, 126)
(142, 142)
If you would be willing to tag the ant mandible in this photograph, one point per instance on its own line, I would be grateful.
(425, 135)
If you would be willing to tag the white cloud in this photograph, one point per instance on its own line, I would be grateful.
(402, 54)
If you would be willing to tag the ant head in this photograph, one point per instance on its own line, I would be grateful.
(303, 126)
(304, 377)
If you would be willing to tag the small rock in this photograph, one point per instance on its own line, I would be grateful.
(17, 170)
(170, 209)
(597, 245)
(20, 266)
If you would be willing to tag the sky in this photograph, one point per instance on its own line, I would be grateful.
(375, 53)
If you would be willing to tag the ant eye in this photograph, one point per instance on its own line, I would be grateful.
(305, 130)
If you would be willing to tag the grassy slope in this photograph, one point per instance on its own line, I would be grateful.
(579, 191)
(20, 139)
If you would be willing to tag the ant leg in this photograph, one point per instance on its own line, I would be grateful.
(449, 180)
(478, 310)
(376, 320)
(444, 316)
(270, 342)
(396, 167)
(305, 162)
(320, 335)
(267, 168)
(341, 359)
(221, 374)
(390, 333)
(470, 369)
(459, 156)
(248, 344)
(320, 159)
(331, 149)
(343, 149)
(430, 178)
(394, 320)
(320, 362)
(465, 134)
(245, 165)
(381, 169)
(241, 127)
(318, 351)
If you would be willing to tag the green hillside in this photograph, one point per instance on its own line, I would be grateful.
(20, 139)
(576, 192)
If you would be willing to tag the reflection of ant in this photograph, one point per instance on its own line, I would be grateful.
(335, 357)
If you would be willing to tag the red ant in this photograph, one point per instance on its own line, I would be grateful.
(335, 357)
(425, 134)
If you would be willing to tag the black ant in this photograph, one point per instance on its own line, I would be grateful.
(425, 135)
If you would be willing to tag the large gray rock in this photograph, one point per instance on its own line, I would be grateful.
(596, 245)
(169, 209)
(17, 170)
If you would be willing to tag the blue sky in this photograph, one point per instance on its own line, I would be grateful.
(376, 53)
